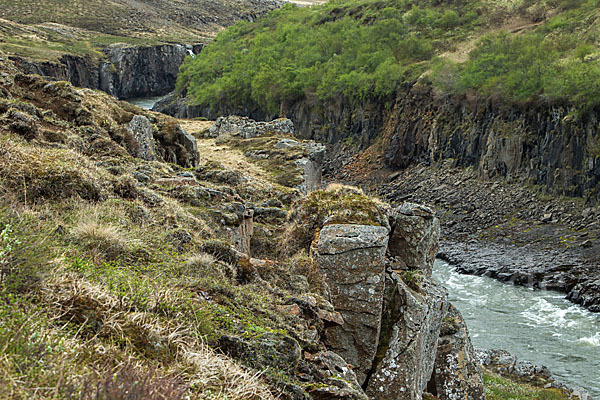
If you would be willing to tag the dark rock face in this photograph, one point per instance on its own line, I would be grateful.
(142, 71)
(539, 142)
(80, 71)
(127, 72)
(352, 259)
(457, 374)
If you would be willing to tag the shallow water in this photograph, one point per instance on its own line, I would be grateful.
(145, 102)
(537, 326)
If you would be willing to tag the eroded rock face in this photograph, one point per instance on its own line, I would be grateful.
(457, 374)
(143, 145)
(409, 340)
(415, 237)
(351, 257)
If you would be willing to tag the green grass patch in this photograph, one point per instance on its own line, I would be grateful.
(499, 388)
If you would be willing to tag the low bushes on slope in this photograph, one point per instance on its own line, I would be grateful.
(366, 49)
(346, 47)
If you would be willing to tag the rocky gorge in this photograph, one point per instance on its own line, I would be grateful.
(246, 221)
(126, 71)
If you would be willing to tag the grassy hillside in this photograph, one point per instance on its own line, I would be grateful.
(368, 48)
(48, 28)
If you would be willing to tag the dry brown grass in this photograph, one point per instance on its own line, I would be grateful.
(34, 173)
(208, 375)
(101, 238)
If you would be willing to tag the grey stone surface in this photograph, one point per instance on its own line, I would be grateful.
(415, 236)
(351, 257)
(248, 128)
(144, 146)
(457, 372)
(410, 336)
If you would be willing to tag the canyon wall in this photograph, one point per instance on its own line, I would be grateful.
(125, 72)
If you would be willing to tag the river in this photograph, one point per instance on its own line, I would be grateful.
(534, 325)
(145, 102)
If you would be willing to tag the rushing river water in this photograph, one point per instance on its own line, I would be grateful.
(537, 326)
(145, 102)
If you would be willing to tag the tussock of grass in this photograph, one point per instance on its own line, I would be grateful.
(104, 239)
(337, 204)
(36, 173)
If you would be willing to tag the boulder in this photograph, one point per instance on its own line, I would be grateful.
(142, 141)
(457, 373)
(247, 128)
(269, 350)
(409, 337)
(415, 236)
(351, 257)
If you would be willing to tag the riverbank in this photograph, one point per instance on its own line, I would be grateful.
(507, 230)
(538, 326)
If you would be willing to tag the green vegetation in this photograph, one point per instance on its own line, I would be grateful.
(558, 61)
(366, 49)
(500, 388)
(358, 49)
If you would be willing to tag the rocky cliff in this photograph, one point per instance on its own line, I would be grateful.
(377, 276)
(124, 72)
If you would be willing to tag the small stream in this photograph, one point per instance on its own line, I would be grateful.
(537, 326)
(145, 102)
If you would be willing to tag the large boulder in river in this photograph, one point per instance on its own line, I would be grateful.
(351, 257)
(415, 237)
(410, 332)
(457, 374)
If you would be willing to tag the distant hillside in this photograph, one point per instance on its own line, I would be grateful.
(43, 29)
(360, 49)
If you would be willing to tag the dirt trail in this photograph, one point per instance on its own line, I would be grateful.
(513, 25)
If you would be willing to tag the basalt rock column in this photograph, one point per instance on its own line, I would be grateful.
(457, 374)
(351, 257)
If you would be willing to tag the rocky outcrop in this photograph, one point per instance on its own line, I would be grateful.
(457, 374)
(125, 72)
(396, 322)
(351, 257)
(410, 340)
(415, 236)
(298, 163)
(247, 128)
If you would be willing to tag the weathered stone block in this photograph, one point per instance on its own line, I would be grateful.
(409, 341)
(457, 373)
(415, 236)
(351, 257)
